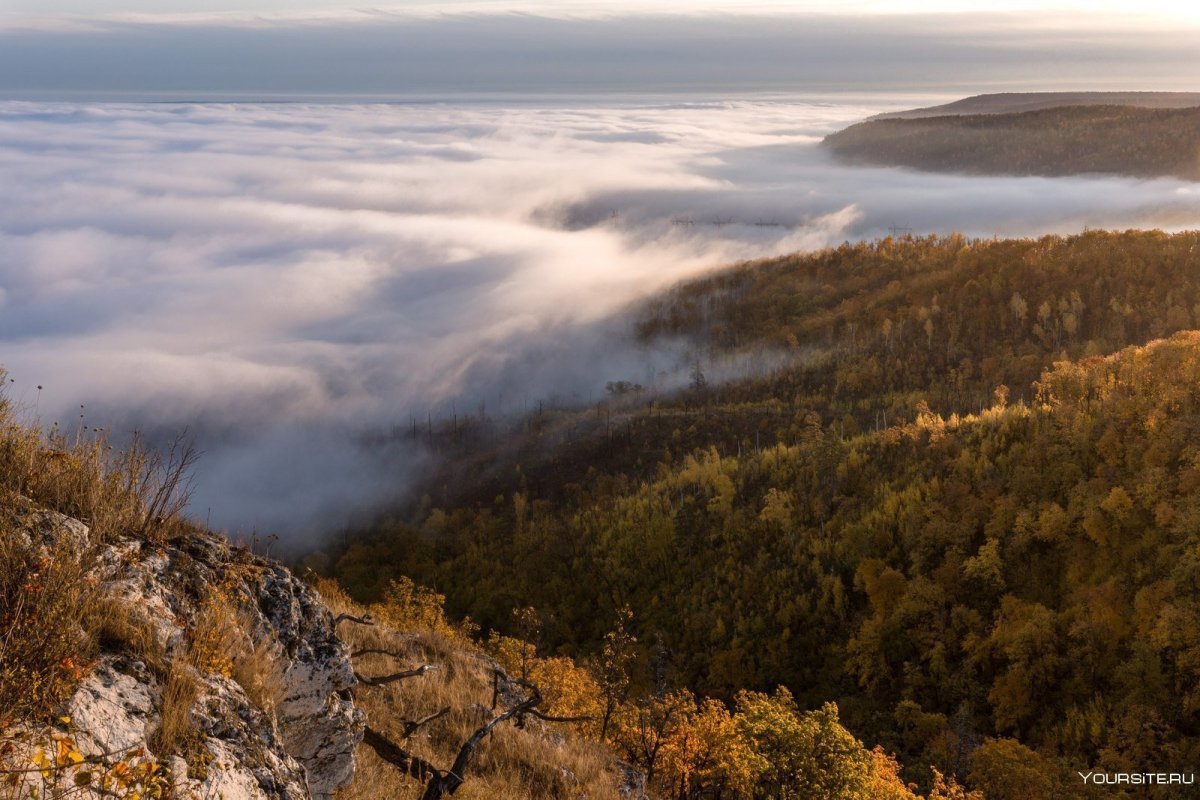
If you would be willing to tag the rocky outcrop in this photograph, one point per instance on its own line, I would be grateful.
(117, 708)
(292, 735)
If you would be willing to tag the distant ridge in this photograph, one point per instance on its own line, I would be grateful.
(1014, 102)
(1055, 141)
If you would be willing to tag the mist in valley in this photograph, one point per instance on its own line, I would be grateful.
(299, 284)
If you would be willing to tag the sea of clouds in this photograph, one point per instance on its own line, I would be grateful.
(287, 280)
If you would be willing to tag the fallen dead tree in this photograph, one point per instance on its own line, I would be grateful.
(440, 783)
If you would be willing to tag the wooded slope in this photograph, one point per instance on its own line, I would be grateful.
(1120, 140)
(1013, 102)
(941, 503)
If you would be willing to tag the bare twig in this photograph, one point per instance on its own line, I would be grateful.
(547, 718)
(375, 651)
(367, 620)
(168, 482)
(383, 680)
(412, 725)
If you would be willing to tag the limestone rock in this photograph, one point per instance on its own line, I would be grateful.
(300, 746)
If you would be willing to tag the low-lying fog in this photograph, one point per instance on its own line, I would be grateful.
(282, 278)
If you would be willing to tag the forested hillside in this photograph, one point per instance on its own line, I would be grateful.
(939, 502)
(1123, 140)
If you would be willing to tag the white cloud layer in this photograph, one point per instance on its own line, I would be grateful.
(287, 279)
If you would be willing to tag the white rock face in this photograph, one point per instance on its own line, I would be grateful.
(112, 707)
(319, 724)
(301, 748)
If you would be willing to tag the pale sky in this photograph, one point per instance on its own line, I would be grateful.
(1162, 11)
(192, 49)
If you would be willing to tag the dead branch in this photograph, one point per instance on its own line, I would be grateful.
(547, 718)
(406, 762)
(367, 620)
(449, 782)
(383, 680)
(375, 651)
(441, 784)
(412, 725)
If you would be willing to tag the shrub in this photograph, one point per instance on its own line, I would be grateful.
(131, 490)
(407, 606)
(43, 648)
(51, 766)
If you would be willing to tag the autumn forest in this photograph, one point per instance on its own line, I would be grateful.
(959, 502)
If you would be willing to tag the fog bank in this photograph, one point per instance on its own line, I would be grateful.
(289, 280)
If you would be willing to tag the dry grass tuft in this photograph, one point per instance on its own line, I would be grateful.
(173, 732)
(220, 642)
(134, 490)
(256, 668)
(215, 635)
(121, 627)
(43, 647)
(207, 650)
